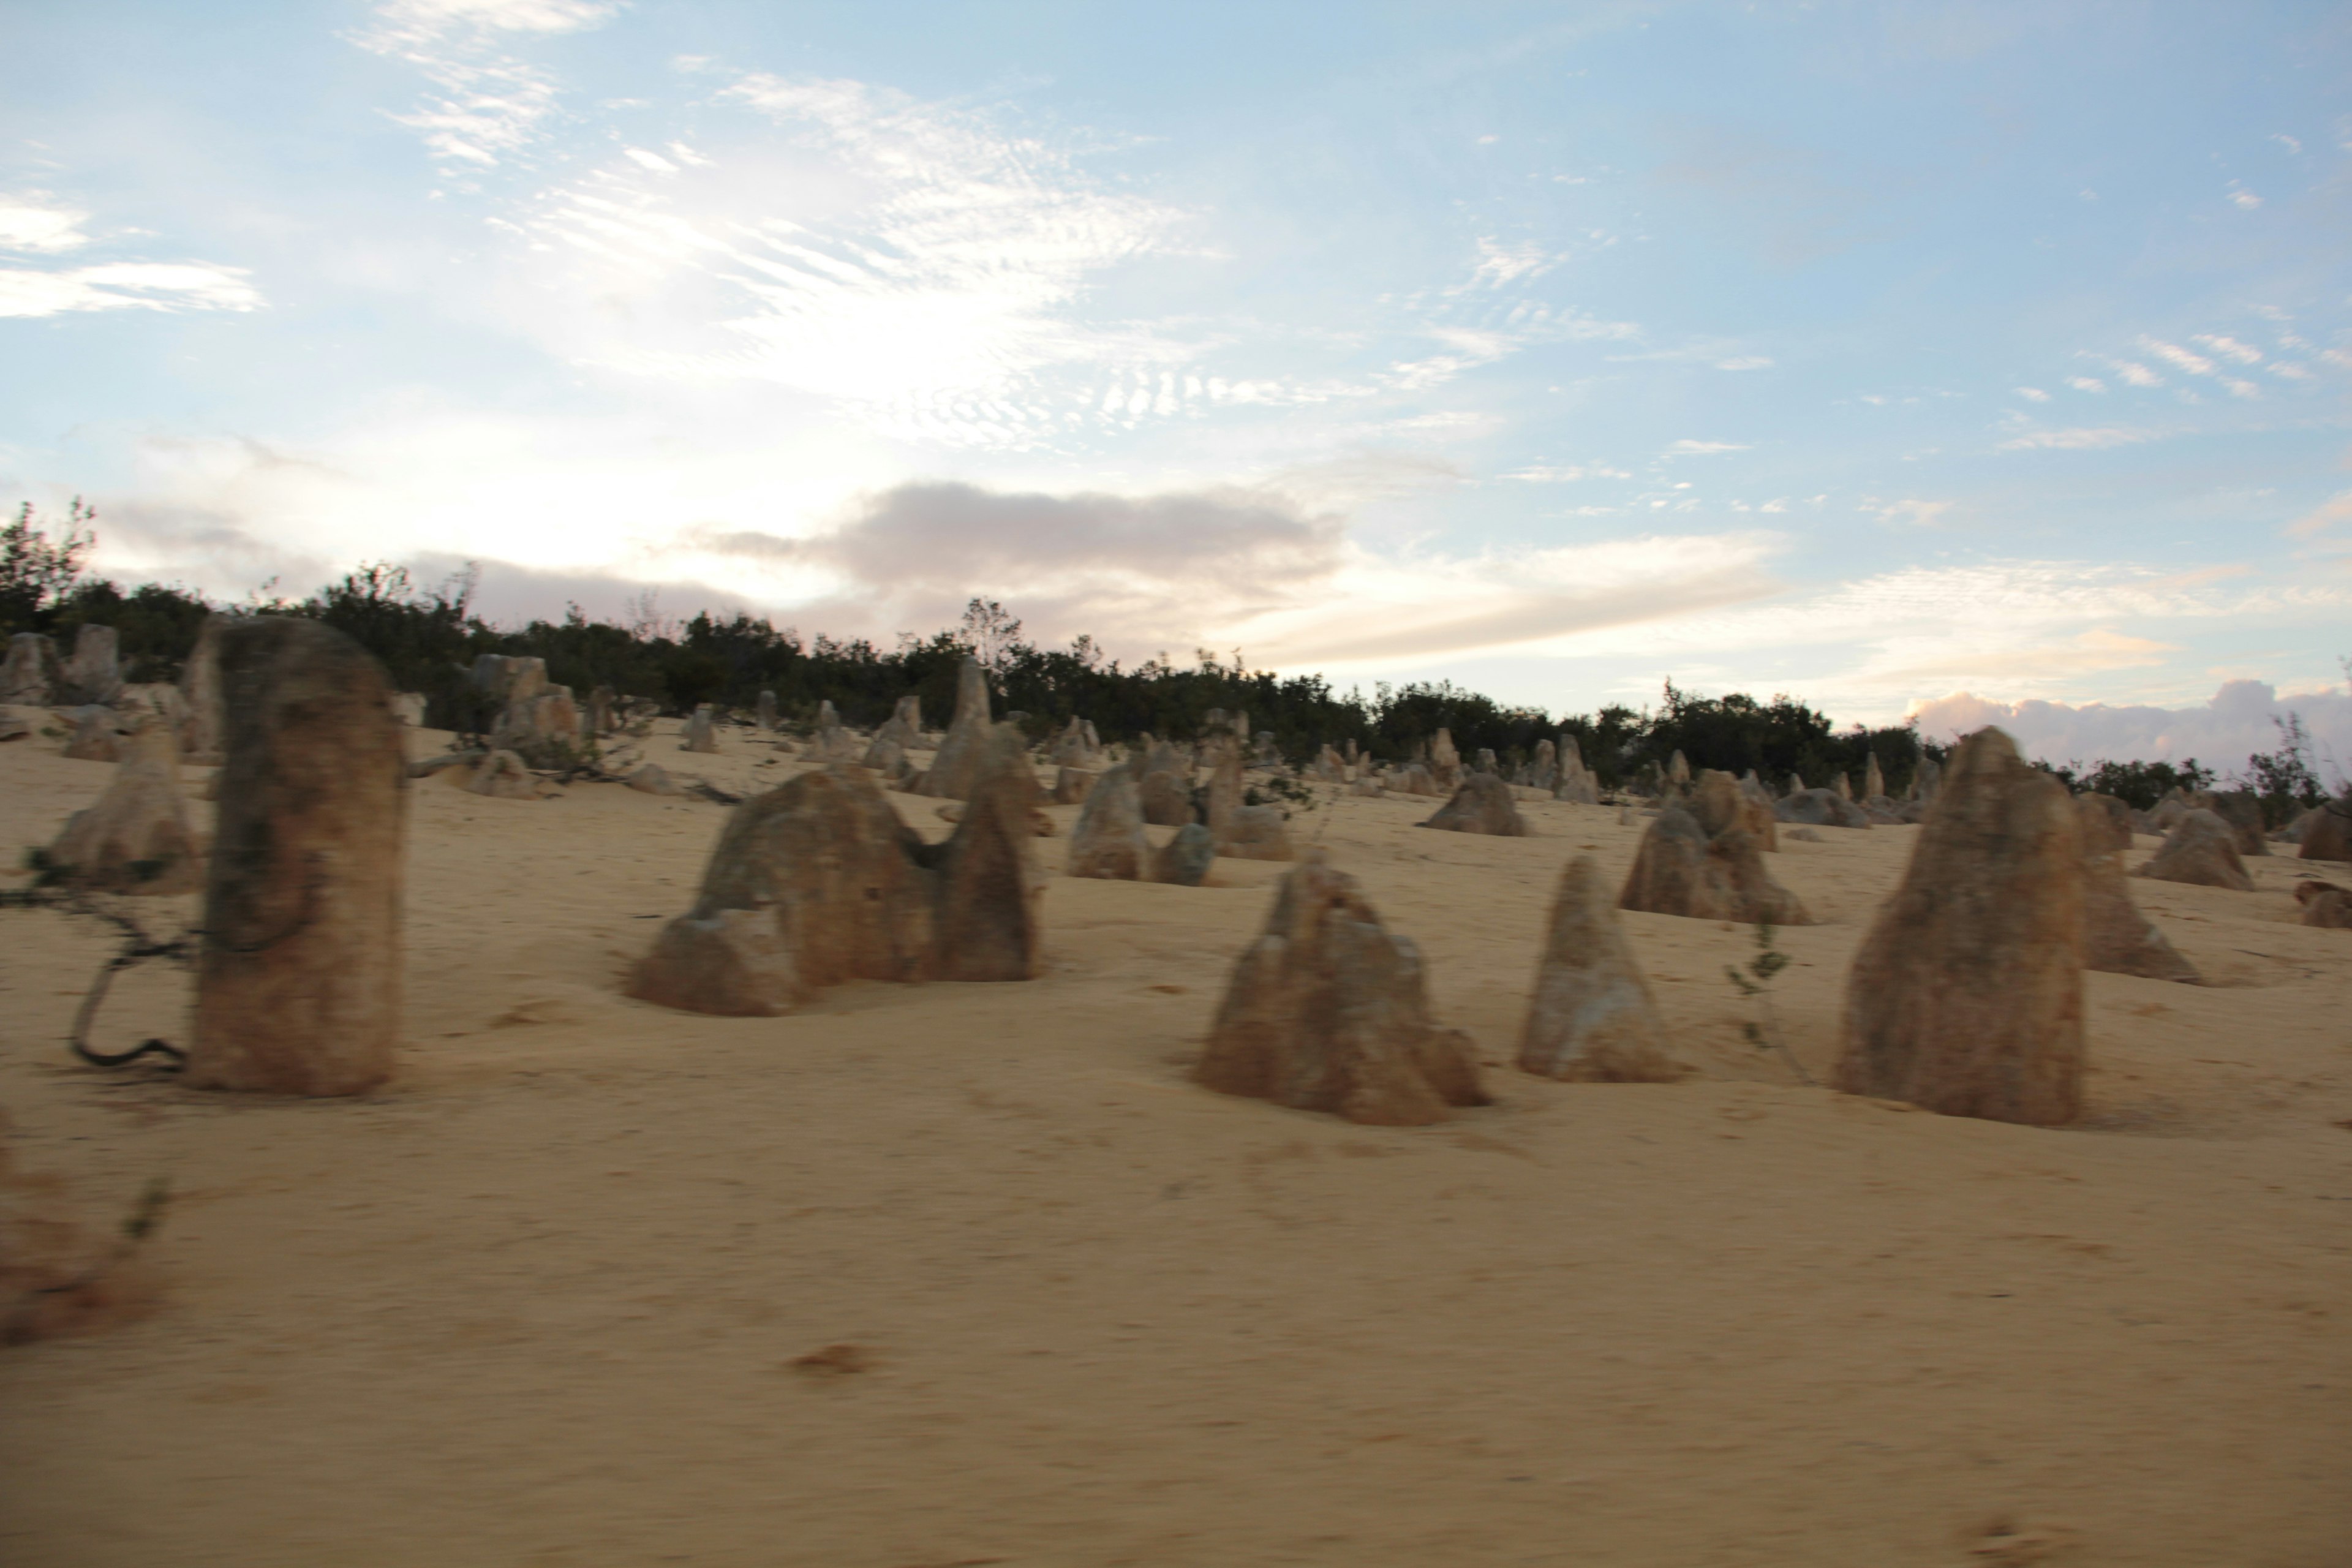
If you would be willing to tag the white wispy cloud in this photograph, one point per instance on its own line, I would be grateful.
(1543, 474)
(36, 223)
(1687, 447)
(2177, 357)
(2230, 348)
(2032, 393)
(490, 105)
(2133, 374)
(2086, 383)
(2078, 438)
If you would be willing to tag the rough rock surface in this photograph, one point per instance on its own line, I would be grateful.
(1820, 808)
(1073, 785)
(650, 779)
(1592, 1017)
(93, 673)
(542, 729)
(1184, 860)
(1483, 805)
(2325, 905)
(2241, 809)
(299, 981)
(1873, 779)
(2117, 939)
(504, 775)
(2327, 833)
(1719, 801)
(34, 673)
(1327, 1010)
(953, 772)
(1966, 996)
(1108, 841)
(97, 730)
(1681, 869)
(991, 893)
(1167, 799)
(136, 839)
(764, 711)
(2202, 851)
(701, 731)
(1413, 778)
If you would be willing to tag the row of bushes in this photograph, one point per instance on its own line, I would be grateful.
(428, 636)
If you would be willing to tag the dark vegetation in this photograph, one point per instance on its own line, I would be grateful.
(428, 636)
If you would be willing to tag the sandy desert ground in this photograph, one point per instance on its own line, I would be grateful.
(550, 1299)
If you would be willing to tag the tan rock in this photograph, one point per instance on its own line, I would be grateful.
(504, 775)
(1719, 801)
(505, 678)
(1681, 869)
(136, 839)
(1073, 785)
(2117, 939)
(1678, 768)
(1108, 841)
(542, 728)
(2242, 810)
(200, 686)
(1239, 831)
(1167, 800)
(300, 982)
(1413, 778)
(2325, 905)
(34, 673)
(992, 893)
(408, 707)
(2202, 851)
(1966, 996)
(1483, 805)
(651, 779)
(1592, 1017)
(905, 725)
(97, 730)
(886, 758)
(764, 711)
(953, 772)
(1327, 1011)
(1873, 779)
(1184, 860)
(701, 731)
(2327, 833)
(94, 673)
(1820, 808)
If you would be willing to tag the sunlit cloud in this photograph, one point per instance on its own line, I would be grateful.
(38, 223)
(166, 286)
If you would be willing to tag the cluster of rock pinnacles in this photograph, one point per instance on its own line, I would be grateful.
(1965, 996)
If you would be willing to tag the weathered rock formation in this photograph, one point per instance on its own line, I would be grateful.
(1681, 869)
(1076, 746)
(701, 731)
(541, 727)
(1967, 997)
(97, 729)
(34, 673)
(1167, 798)
(2200, 851)
(503, 678)
(1445, 761)
(1327, 1010)
(1592, 1017)
(904, 726)
(299, 981)
(1073, 785)
(1414, 778)
(2116, 938)
(504, 775)
(957, 764)
(1678, 770)
(1184, 860)
(1719, 801)
(651, 779)
(1108, 841)
(2242, 810)
(1483, 805)
(136, 839)
(1820, 808)
(1874, 780)
(1243, 832)
(764, 712)
(2327, 832)
(94, 673)
(990, 892)
(2325, 905)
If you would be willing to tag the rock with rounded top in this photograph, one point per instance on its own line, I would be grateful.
(1796, 786)
(1413, 778)
(1445, 761)
(94, 671)
(2200, 851)
(504, 775)
(905, 724)
(301, 976)
(2327, 832)
(991, 893)
(1483, 805)
(1327, 1011)
(1184, 860)
(1820, 808)
(1679, 769)
(1542, 770)
(1368, 788)
(702, 733)
(1241, 831)
(764, 711)
(505, 678)
(1592, 1017)
(1108, 841)
(953, 771)
(1873, 778)
(1073, 785)
(885, 758)
(1966, 996)
(1682, 869)
(1718, 801)
(97, 729)
(1329, 767)
(1167, 800)
(2241, 809)
(542, 729)
(1844, 785)
(2172, 806)
(2117, 939)
(2324, 905)
(136, 839)
(652, 779)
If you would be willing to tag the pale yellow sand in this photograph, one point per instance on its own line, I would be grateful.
(540, 1302)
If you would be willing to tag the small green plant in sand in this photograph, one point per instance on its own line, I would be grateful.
(1756, 983)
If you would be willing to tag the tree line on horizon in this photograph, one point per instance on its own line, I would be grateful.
(428, 637)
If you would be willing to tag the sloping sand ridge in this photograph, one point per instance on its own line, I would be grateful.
(567, 1293)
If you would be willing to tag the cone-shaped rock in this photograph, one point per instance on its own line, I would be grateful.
(136, 839)
(1681, 869)
(1483, 805)
(957, 766)
(905, 724)
(2116, 938)
(2243, 811)
(1327, 1010)
(990, 892)
(1678, 768)
(1719, 801)
(1874, 780)
(2202, 851)
(1967, 997)
(300, 982)
(1109, 840)
(1592, 1017)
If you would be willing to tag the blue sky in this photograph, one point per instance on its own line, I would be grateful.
(1878, 354)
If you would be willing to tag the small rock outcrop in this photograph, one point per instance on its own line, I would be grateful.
(32, 674)
(1243, 832)
(1719, 801)
(2116, 938)
(651, 779)
(1414, 778)
(1682, 869)
(990, 897)
(2202, 851)
(701, 732)
(2325, 905)
(1483, 805)
(1820, 808)
(504, 775)
(94, 673)
(2242, 810)
(1592, 1017)
(1167, 799)
(136, 839)
(1873, 779)
(905, 725)
(1327, 1011)
(957, 764)
(97, 729)
(1073, 785)
(542, 728)
(300, 980)
(2327, 833)
(1108, 841)
(764, 711)
(1966, 996)
(1184, 860)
